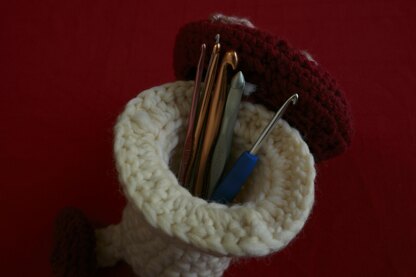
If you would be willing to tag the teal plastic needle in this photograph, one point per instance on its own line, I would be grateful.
(231, 184)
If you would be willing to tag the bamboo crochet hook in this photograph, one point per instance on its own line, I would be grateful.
(203, 108)
(216, 108)
(189, 138)
(229, 187)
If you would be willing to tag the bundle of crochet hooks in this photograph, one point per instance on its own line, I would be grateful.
(198, 113)
(204, 124)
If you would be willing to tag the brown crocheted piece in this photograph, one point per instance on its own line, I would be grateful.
(74, 245)
(322, 114)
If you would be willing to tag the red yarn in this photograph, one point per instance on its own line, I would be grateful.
(322, 113)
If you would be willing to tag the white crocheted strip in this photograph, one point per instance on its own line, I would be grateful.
(278, 196)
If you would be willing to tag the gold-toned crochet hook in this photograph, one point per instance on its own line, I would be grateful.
(216, 108)
(203, 108)
(189, 138)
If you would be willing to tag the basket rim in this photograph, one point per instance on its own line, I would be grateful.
(237, 230)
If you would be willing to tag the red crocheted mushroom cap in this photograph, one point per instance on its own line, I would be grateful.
(279, 70)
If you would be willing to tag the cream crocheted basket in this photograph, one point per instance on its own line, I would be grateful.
(165, 231)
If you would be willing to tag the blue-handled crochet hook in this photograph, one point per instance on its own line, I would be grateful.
(231, 184)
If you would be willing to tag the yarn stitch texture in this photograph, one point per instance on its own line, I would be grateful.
(279, 70)
(165, 231)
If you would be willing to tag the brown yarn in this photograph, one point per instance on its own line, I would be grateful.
(74, 245)
(322, 114)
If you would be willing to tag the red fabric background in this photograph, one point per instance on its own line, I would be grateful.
(68, 67)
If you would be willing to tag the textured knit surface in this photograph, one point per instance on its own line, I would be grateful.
(74, 245)
(278, 70)
(166, 231)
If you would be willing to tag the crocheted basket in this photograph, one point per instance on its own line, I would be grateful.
(165, 231)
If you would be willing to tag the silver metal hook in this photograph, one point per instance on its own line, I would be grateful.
(293, 99)
(217, 38)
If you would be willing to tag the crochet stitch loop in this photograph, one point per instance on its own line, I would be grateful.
(322, 115)
(167, 231)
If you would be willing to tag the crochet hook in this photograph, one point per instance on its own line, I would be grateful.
(213, 121)
(189, 138)
(229, 187)
(202, 110)
(223, 144)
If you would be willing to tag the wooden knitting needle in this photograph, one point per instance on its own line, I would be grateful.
(189, 139)
(203, 108)
(216, 108)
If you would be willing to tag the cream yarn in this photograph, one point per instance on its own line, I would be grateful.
(165, 231)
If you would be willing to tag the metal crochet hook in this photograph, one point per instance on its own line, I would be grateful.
(222, 147)
(230, 186)
(203, 108)
(189, 138)
(216, 108)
